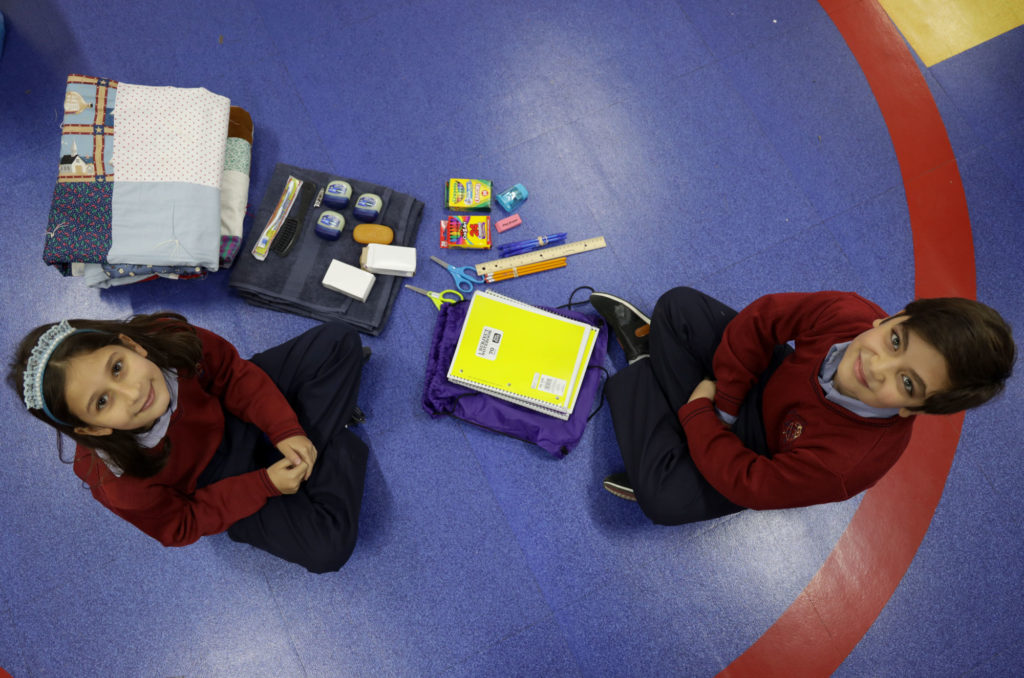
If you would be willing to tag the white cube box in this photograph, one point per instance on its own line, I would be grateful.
(349, 280)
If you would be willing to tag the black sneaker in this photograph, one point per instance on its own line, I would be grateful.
(618, 484)
(358, 417)
(631, 327)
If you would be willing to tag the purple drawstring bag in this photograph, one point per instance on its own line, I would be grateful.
(441, 397)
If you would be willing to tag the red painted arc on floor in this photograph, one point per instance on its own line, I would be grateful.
(822, 626)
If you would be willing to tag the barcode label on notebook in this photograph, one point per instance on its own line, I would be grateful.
(490, 342)
(543, 382)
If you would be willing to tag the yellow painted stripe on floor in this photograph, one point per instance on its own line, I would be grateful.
(939, 29)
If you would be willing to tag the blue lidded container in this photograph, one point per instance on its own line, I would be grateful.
(329, 225)
(512, 198)
(337, 194)
(368, 207)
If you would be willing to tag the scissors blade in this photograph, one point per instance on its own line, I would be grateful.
(439, 262)
(418, 289)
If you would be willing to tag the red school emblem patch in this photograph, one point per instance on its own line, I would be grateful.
(792, 429)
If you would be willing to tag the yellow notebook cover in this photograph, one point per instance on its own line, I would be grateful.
(522, 354)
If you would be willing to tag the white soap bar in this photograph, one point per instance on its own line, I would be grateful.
(349, 280)
(389, 260)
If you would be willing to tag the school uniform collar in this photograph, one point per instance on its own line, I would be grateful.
(152, 436)
(157, 432)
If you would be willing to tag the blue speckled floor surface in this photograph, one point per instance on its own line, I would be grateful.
(734, 147)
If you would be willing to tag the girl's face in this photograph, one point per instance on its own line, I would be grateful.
(115, 388)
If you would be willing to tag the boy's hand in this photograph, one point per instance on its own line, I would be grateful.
(705, 389)
(299, 449)
(287, 476)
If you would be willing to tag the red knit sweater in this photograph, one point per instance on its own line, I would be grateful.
(820, 451)
(167, 506)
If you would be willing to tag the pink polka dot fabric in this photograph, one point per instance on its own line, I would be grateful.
(170, 134)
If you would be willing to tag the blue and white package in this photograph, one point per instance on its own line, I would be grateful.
(368, 207)
(329, 225)
(337, 194)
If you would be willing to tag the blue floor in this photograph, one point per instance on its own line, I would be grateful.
(735, 147)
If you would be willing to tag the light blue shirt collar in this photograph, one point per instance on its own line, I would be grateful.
(159, 429)
(826, 377)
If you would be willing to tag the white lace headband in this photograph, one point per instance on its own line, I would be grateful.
(35, 368)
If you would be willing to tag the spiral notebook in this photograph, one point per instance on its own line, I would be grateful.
(522, 354)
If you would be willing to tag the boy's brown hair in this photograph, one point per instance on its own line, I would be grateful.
(976, 343)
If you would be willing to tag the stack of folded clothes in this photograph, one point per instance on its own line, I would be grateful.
(153, 182)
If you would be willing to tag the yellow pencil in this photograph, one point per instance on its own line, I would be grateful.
(511, 273)
(519, 271)
(526, 269)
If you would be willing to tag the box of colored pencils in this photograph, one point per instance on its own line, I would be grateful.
(525, 269)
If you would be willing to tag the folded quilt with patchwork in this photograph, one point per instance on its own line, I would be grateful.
(153, 181)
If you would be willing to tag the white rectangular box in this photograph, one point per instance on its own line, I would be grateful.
(389, 260)
(349, 280)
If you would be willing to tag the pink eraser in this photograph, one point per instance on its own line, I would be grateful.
(508, 222)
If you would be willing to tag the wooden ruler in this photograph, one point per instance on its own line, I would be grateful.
(541, 255)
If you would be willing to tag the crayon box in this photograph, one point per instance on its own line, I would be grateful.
(468, 195)
(466, 231)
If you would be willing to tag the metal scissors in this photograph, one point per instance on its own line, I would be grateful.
(463, 280)
(438, 297)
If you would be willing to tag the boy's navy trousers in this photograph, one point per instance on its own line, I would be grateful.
(686, 328)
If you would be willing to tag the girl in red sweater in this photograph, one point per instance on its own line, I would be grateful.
(716, 412)
(183, 438)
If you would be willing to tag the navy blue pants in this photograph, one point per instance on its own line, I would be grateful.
(318, 372)
(686, 328)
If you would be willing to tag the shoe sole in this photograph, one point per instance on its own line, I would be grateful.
(625, 303)
(620, 491)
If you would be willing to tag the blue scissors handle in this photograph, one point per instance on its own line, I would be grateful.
(464, 280)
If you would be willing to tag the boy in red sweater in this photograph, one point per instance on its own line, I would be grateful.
(716, 412)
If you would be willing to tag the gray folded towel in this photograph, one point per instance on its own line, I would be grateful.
(292, 284)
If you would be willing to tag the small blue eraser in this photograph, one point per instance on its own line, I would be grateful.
(368, 207)
(329, 225)
(337, 194)
(511, 198)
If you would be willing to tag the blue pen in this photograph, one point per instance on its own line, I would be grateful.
(530, 248)
(542, 240)
(524, 250)
(523, 246)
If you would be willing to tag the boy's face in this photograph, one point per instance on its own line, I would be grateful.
(891, 367)
(115, 388)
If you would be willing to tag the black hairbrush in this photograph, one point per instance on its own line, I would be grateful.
(292, 226)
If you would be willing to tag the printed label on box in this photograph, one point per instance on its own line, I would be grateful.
(490, 342)
(543, 382)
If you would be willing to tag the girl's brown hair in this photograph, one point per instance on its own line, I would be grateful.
(170, 343)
